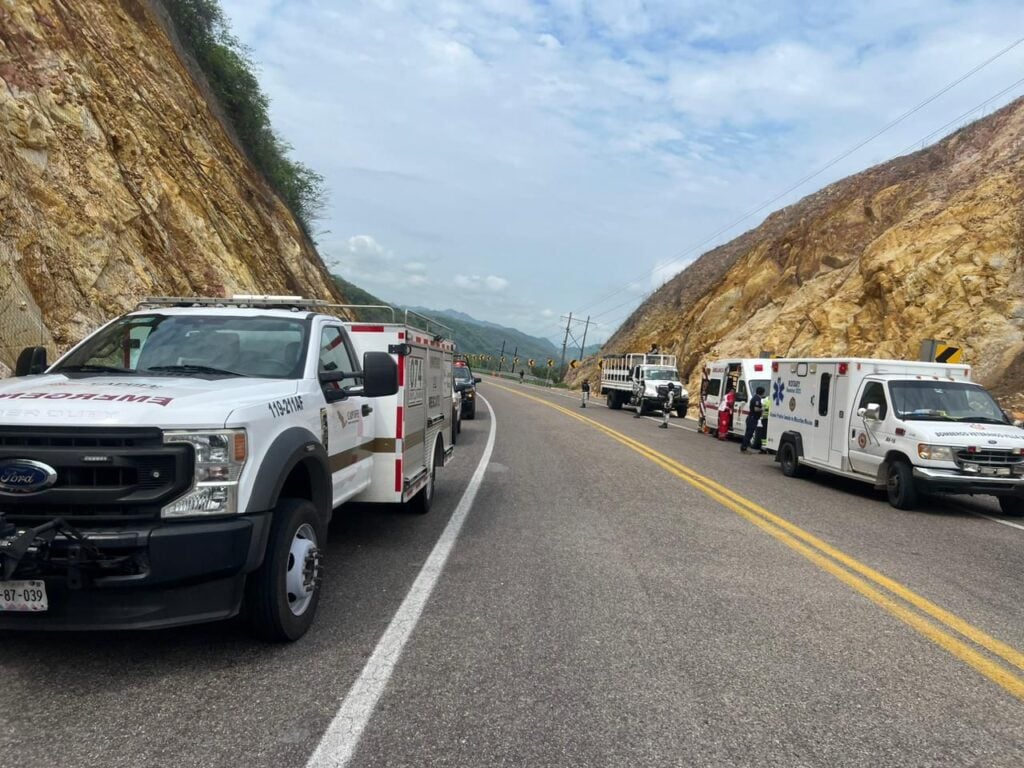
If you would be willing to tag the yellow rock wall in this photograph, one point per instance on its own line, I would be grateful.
(118, 182)
(927, 246)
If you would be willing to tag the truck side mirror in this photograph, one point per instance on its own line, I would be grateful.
(380, 374)
(477, 380)
(871, 412)
(31, 361)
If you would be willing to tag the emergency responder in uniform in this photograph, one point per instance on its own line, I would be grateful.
(754, 413)
(667, 408)
(584, 393)
(762, 432)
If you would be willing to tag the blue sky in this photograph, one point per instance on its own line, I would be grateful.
(517, 160)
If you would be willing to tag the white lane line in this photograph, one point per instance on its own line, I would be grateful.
(996, 519)
(339, 742)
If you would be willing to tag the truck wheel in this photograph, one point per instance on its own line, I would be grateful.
(789, 460)
(682, 408)
(455, 428)
(1012, 506)
(471, 413)
(613, 401)
(643, 407)
(283, 594)
(421, 503)
(899, 485)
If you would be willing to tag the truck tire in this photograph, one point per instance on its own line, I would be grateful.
(1012, 506)
(421, 503)
(455, 427)
(471, 413)
(643, 407)
(899, 485)
(682, 408)
(283, 594)
(613, 401)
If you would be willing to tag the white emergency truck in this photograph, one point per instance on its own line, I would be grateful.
(640, 380)
(745, 375)
(181, 464)
(905, 427)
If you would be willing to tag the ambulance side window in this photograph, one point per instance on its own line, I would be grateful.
(823, 392)
(741, 390)
(714, 387)
(874, 392)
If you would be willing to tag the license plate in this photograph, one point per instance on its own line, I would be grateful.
(996, 471)
(23, 596)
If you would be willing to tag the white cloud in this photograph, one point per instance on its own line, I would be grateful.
(574, 147)
(478, 284)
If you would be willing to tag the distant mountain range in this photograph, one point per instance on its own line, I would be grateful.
(472, 336)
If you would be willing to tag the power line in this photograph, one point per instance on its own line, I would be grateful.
(838, 158)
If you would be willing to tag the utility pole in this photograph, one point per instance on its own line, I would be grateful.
(583, 344)
(501, 355)
(515, 356)
(565, 341)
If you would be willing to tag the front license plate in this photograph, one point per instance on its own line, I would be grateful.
(23, 596)
(995, 471)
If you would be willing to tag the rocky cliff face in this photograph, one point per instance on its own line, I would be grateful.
(117, 181)
(926, 246)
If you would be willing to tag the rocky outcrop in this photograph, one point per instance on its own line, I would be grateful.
(117, 181)
(926, 246)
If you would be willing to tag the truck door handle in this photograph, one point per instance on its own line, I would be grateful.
(367, 409)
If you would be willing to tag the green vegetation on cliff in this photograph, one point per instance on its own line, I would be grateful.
(204, 33)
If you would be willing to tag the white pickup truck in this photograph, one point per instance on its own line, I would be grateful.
(640, 380)
(181, 464)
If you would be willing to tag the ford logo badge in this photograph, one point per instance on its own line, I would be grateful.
(19, 476)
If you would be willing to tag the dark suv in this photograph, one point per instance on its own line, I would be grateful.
(465, 382)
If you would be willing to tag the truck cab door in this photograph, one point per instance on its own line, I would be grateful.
(347, 436)
(867, 436)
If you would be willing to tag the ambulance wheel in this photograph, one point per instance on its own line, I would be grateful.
(283, 594)
(455, 429)
(788, 459)
(1012, 506)
(424, 500)
(899, 485)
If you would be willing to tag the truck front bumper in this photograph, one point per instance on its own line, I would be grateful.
(932, 480)
(182, 573)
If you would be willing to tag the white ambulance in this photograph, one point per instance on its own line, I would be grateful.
(905, 427)
(745, 375)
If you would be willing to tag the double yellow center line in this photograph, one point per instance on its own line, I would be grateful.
(937, 624)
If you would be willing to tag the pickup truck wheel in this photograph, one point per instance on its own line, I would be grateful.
(899, 485)
(1012, 506)
(283, 594)
(424, 500)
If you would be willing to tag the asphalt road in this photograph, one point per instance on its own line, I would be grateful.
(617, 595)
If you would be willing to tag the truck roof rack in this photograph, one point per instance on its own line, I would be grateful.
(244, 301)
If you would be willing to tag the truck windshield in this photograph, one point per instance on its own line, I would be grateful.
(944, 401)
(654, 374)
(199, 345)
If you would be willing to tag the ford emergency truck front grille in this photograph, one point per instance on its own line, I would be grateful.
(989, 458)
(103, 475)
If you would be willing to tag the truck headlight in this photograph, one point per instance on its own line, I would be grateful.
(935, 452)
(219, 458)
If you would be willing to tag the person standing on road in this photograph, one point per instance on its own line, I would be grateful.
(755, 410)
(522, 375)
(762, 432)
(666, 409)
(584, 393)
(725, 411)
